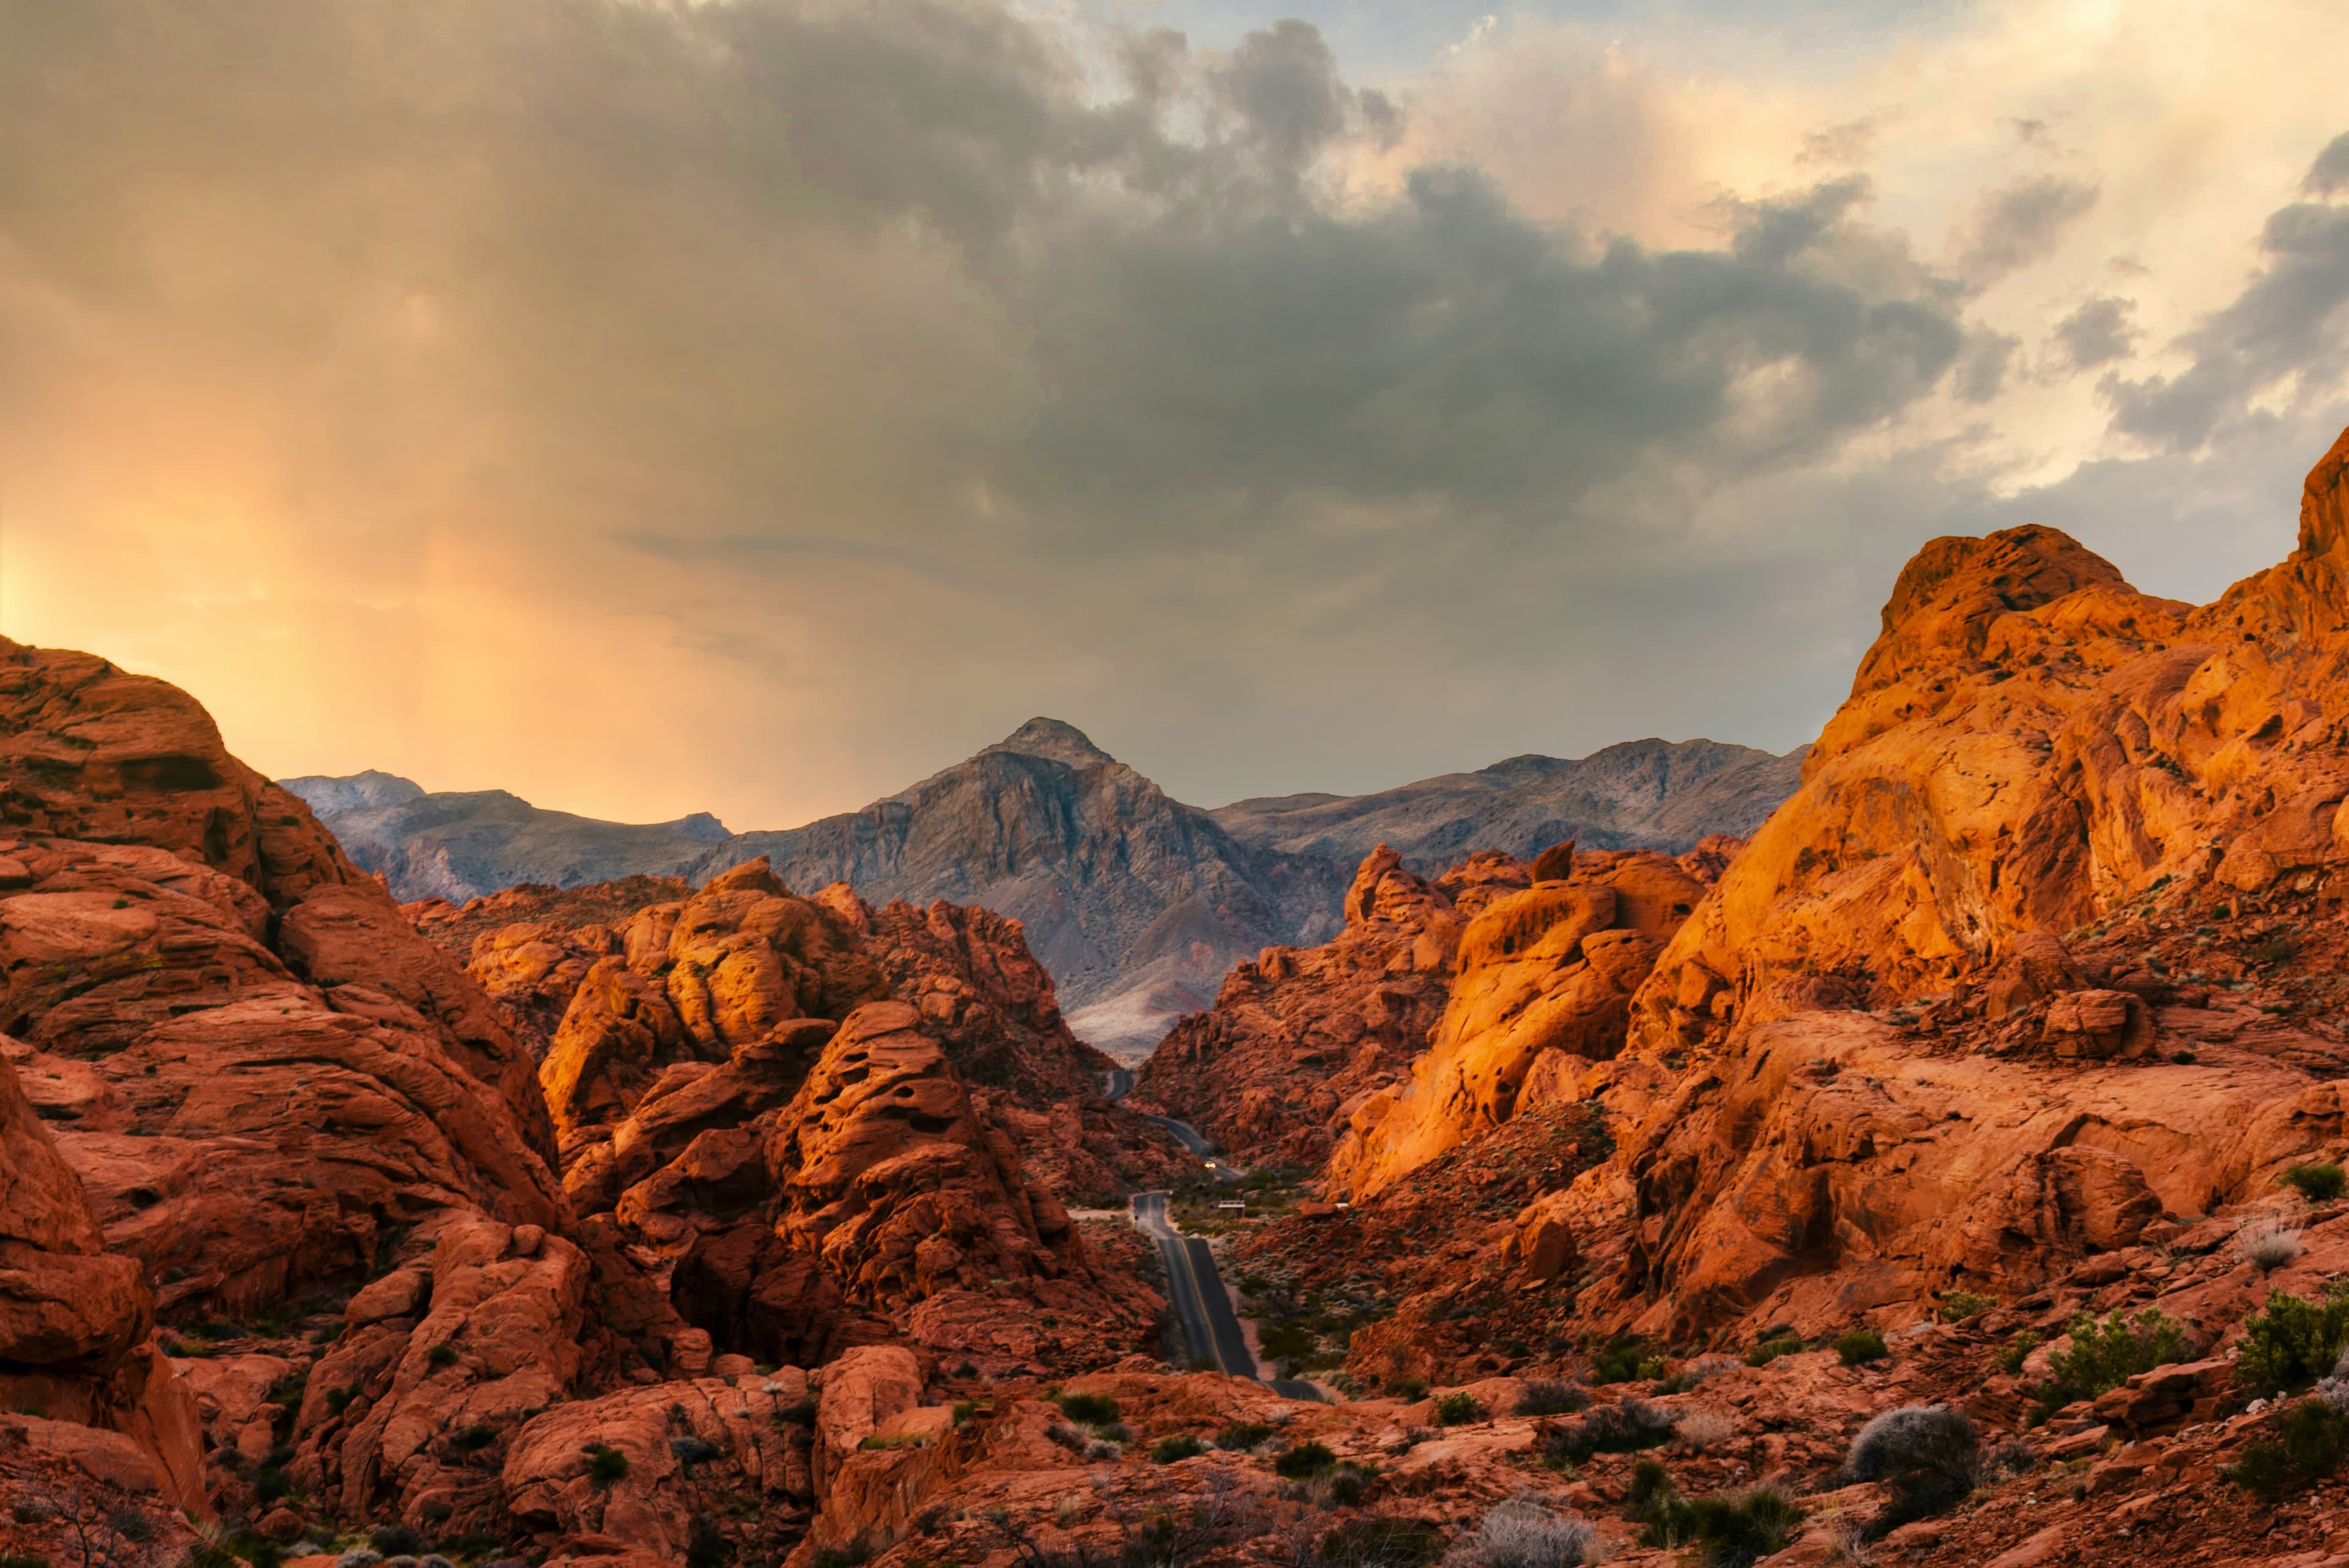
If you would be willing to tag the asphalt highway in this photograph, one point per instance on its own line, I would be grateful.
(1202, 1307)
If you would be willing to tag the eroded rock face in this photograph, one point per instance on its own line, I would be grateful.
(2030, 742)
(77, 1322)
(1299, 1037)
(1542, 978)
(880, 1202)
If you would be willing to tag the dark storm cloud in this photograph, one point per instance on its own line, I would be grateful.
(2099, 332)
(2286, 330)
(2329, 173)
(2021, 223)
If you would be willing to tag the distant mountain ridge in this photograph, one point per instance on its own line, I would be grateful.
(1137, 902)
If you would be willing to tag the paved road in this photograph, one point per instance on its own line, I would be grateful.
(1203, 1308)
(1121, 1080)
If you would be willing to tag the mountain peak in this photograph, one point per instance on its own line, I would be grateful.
(1051, 738)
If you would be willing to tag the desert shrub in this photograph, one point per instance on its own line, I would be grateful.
(1101, 1448)
(1735, 1528)
(1241, 1435)
(1115, 1431)
(692, 1451)
(1166, 1450)
(395, 1540)
(442, 1355)
(2018, 1350)
(1622, 1429)
(1408, 1387)
(23, 1559)
(1697, 1430)
(1544, 1397)
(2294, 1340)
(1089, 1409)
(801, 1413)
(968, 1410)
(1964, 1307)
(1927, 1456)
(1522, 1533)
(1067, 1436)
(2318, 1180)
(2310, 1438)
(340, 1399)
(1860, 1346)
(1344, 1485)
(2104, 1356)
(1729, 1529)
(269, 1483)
(2268, 1245)
(1302, 1459)
(1619, 1360)
(1458, 1409)
(1287, 1341)
(473, 1438)
(606, 1464)
(1770, 1349)
(1381, 1543)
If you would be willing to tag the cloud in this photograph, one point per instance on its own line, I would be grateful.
(2097, 333)
(2285, 334)
(2330, 173)
(802, 392)
(2021, 223)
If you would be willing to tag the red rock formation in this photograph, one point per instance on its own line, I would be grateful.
(1299, 1038)
(1542, 984)
(77, 1322)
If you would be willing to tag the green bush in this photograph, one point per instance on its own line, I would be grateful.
(340, 1399)
(1241, 1435)
(2319, 1181)
(1769, 1350)
(23, 1559)
(395, 1540)
(1619, 1360)
(2104, 1356)
(1408, 1387)
(2018, 1350)
(1964, 1307)
(1287, 1341)
(478, 1436)
(1302, 1459)
(442, 1355)
(1089, 1409)
(606, 1464)
(2295, 1341)
(1729, 1529)
(801, 1414)
(1861, 1345)
(1458, 1409)
(1166, 1450)
(2310, 1440)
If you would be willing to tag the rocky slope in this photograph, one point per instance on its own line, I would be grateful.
(1138, 904)
(2000, 1074)
(466, 845)
(1640, 795)
(242, 1094)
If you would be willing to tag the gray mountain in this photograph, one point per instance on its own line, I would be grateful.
(1137, 903)
(461, 845)
(1640, 795)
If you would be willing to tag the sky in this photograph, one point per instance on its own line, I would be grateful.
(755, 405)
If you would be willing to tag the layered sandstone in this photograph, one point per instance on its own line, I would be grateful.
(1542, 983)
(1299, 1038)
